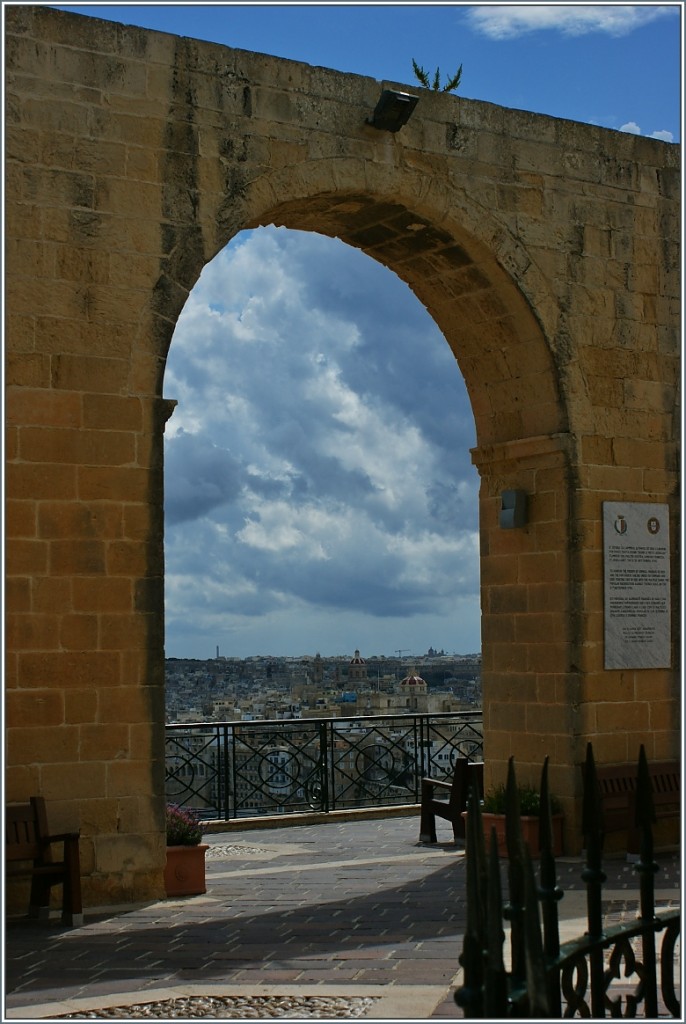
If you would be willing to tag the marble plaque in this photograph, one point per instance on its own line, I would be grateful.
(636, 586)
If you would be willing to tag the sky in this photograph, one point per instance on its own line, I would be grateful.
(319, 491)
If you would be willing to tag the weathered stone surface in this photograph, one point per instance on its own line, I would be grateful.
(546, 251)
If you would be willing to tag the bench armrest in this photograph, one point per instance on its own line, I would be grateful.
(69, 839)
(441, 783)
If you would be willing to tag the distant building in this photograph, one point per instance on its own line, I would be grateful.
(413, 690)
(357, 669)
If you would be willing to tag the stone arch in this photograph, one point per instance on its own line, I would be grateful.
(472, 274)
(514, 386)
(521, 423)
(482, 313)
(547, 253)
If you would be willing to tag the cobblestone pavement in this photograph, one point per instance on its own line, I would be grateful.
(235, 1007)
(340, 919)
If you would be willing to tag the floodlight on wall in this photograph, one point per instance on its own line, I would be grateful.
(513, 510)
(393, 110)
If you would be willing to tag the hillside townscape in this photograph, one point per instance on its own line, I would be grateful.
(225, 689)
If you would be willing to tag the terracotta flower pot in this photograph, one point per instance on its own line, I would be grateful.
(184, 872)
(529, 832)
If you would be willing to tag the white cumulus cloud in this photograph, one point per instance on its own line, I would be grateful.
(499, 21)
(633, 129)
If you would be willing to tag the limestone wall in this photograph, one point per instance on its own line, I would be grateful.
(547, 252)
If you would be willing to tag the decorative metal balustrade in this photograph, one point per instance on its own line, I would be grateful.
(625, 970)
(231, 770)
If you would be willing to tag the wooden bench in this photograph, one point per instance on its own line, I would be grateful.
(617, 785)
(28, 853)
(455, 802)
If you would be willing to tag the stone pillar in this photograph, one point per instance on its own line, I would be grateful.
(529, 624)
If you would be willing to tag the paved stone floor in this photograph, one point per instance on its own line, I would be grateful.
(341, 919)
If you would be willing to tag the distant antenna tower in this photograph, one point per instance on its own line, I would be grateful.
(217, 650)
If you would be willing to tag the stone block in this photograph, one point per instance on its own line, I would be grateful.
(81, 705)
(104, 742)
(78, 632)
(31, 631)
(68, 669)
(98, 375)
(27, 557)
(26, 369)
(127, 777)
(118, 631)
(43, 745)
(37, 709)
(102, 594)
(20, 518)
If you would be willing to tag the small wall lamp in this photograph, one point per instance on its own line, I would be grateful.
(393, 110)
(513, 510)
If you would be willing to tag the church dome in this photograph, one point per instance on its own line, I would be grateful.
(357, 670)
(413, 682)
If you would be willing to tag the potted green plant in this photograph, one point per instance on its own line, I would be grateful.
(184, 872)
(493, 816)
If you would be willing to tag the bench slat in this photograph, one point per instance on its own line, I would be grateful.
(617, 787)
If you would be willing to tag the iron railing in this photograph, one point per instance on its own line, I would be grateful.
(228, 770)
(625, 970)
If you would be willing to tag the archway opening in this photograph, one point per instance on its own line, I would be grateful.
(488, 301)
(319, 492)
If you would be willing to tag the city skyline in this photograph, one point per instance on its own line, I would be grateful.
(399, 654)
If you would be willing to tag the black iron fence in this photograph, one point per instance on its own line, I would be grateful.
(627, 970)
(229, 770)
